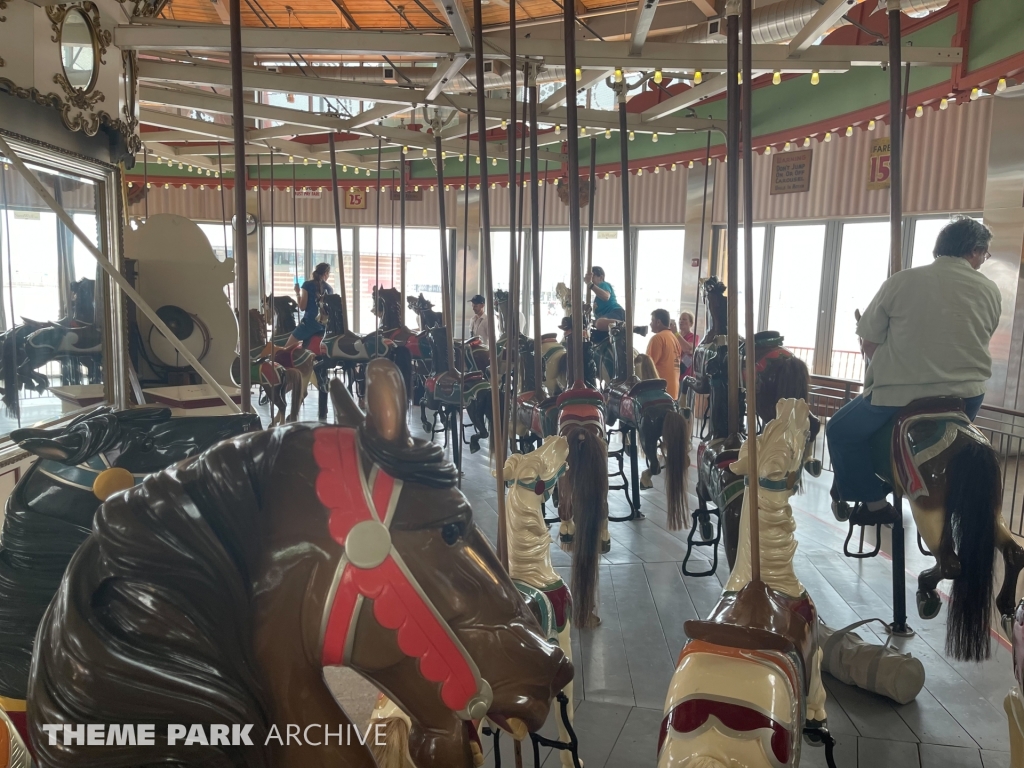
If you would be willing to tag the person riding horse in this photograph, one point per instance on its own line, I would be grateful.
(309, 297)
(925, 334)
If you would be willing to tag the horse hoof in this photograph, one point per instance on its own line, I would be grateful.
(928, 604)
(474, 444)
(606, 547)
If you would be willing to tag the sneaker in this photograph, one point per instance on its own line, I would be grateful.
(887, 515)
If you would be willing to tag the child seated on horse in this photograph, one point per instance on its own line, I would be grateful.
(925, 334)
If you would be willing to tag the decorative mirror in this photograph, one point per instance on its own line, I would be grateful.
(250, 223)
(78, 50)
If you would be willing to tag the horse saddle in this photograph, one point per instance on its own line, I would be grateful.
(627, 399)
(759, 618)
(347, 346)
(581, 405)
(916, 434)
(450, 388)
(713, 461)
(541, 418)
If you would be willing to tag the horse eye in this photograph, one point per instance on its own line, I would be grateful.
(452, 532)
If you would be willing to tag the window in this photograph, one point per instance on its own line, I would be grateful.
(863, 267)
(422, 268)
(659, 273)
(325, 249)
(796, 285)
(555, 268)
(283, 268)
(216, 233)
(758, 234)
(926, 231)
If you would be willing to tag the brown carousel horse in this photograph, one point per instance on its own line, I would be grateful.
(779, 375)
(279, 370)
(218, 590)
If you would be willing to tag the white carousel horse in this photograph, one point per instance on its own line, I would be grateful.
(530, 478)
(750, 676)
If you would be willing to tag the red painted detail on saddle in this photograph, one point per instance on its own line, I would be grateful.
(687, 716)
(20, 721)
(316, 345)
(430, 384)
(561, 603)
(284, 357)
(397, 601)
(627, 409)
(775, 353)
(270, 373)
(413, 345)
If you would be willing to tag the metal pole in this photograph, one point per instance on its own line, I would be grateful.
(626, 255)
(538, 363)
(748, 252)
(573, 179)
(895, 140)
(401, 240)
(732, 9)
(241, 238)
(446, 298)
(498, 440)
(590, 205)
(337, 233)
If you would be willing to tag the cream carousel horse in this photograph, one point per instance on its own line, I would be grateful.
(530, 478)
(750, 676)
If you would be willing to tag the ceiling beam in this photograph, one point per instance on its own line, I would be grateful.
(446, 70)
(821, 22)
(456, 15)
(221, 7)
(707, 7)
(711, 87)
(162, 150)
(557, 99)
(209, 74)
(178, 123)
(372, 115)
(644, 18)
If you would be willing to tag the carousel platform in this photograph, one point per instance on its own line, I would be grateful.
(623, 667)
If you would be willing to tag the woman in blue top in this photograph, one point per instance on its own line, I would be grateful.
(606, 309)
(309, 297)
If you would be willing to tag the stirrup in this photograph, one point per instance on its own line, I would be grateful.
(861, 554)
(702, 519)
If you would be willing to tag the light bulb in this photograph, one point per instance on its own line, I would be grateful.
(447, 188)
(416, 188)
(202, 187)
(739, 78)
(180, 166)
(478, 159)
(657, 169)
(190, 169)
(944, 105)
(367, 171)
(405, 150)
(654, 137)
(919, 111)
(159, 161)
(344, 168)
(690, 164)
(462, 158)
(431, 187)
(849, 130)
(579, 73)
(462, 187)
(149, 185)
(673, 166)
(305, 161)
(218, 187)
(583, 130)
(776, 77)
(291, 159)
(478, 186)
(618, 75)
(787, 147)
(558, 129)
(657, 76)
(767, 150)
(556, 182)
(493, 185)
(871, 125)
(607, 175)
(207, 171)
(828, 135)
(697, 77)
(494, 161)
(807, 141)
(167, 186)
(632, 135)
(1001, 85)
(975, 93)
(608, 133)
(504, 124)
(319, 163)
(540, 182)
(815, 77)
(216, 174)
(444, 154)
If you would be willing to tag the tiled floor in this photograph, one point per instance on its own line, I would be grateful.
(624, 666)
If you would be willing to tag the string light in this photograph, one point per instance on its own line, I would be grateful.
(657, 169)
(207, 171)
(416, 188)
(815, 77)
(504, 124)
(607, 133)
(305, 161)
(919, 111)
(828, 136)
(202, 187)
(319, 163)
(405, 150)
(447, 188)
(431, 187)
(673, 166)
(444, 154)
(944, 104)
(739, 78)
(579, 73)
(607, 175)
(493, 185)
(618, 75)
(167, 186)
(1001, 85)
(462, 187)
(849, 130)
(291, 158)
(149, 185)
(540, 182)
(462, 158)
(767, 150)
(478, 186)
(690, 164)
(556, 182)
(632, 135)
(787, 147)
(871, 125)
(807, 141)
(558, 129)
(657, 76)
(159, 161)
(494, 161)
(367, 171)
(776, 77)
(975, 93)
(697, 77)
(344, 168)
(180, 165)
(654, 137)
(583, 130)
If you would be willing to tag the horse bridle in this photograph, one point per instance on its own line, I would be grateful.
(361, 510)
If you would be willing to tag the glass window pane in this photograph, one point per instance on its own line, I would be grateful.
(287, 246)
(325, 249)
(925, 232)
(758, 238)
(423, 271)
(555, 268)
(607, 255)
(499, 259)
(216, 233)
(796, 284)
(422, 263)
(659, 273)
(863, 266)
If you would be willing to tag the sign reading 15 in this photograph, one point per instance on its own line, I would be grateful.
(881, 160)
(355, 198)
(880, 168)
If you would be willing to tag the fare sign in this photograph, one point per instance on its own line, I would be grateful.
(355, 199)
(791, 172)
(879, 171)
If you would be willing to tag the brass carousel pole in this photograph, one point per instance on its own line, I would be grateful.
(732, 10)
(498, 439)
(626, 254)
(241, 237)
(538, 352)
(748, 265)
(590, 204)
(573, 177)
(446, 299)
(405, 178)
(337, 234)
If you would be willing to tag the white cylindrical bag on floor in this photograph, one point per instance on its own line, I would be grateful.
(876, 668)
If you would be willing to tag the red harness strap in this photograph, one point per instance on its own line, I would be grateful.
(398, 602)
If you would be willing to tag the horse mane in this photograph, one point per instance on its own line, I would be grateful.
(90, 433)
(783, 377)
(335, 317)
(419, 461)
(153, 621)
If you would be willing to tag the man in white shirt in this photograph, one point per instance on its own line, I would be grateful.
(479, 324)
(925, 334)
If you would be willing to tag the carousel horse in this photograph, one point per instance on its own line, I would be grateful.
(50, 511)
(530, 478)
(424, 311)
(279, 370)
(1013, 704)
(219, 589)
(650, 416)
(285, 312)
(931, 454)
(748, 682)
(536, 420)
(583, 495)
(447, 391)
(779, 374)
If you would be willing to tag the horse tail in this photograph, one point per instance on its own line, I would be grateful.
(643, 367)
(293, 382)
(675, 436)
(588, 492)
(972, 504)
(9, 373)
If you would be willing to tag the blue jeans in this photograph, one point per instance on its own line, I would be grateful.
(849, 434)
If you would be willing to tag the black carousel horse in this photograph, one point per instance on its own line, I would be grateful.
(779, 374)
(50, 511)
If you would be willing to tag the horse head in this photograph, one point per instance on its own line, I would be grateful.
(387, 304)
